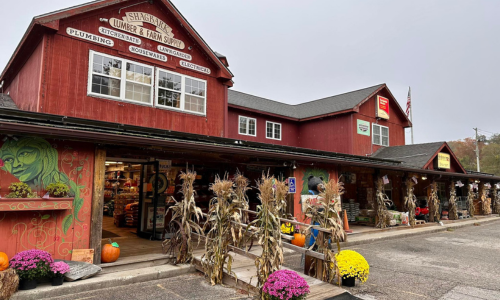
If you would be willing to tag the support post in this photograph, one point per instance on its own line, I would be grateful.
(97, 204)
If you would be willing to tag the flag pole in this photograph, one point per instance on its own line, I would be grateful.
(411, 115)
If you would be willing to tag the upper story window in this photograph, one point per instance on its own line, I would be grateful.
(380, 135)
(247, 126)
(120, 79)
(273, 130)
(181, 92)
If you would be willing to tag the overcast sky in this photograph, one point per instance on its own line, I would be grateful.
(295, 51)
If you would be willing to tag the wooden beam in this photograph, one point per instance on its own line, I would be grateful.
(97, 204)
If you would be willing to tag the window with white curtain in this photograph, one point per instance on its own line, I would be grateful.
(380, 135)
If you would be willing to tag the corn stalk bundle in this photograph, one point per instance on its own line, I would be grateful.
(268, 229)
(223, 222)
(325, 214)
(410, 201)
(241, 187)
(184, 213)
(485, 201)
(383, 215)
(9, 282)
(434, 203)
(470, 201)
(496, 200)
(452, 202)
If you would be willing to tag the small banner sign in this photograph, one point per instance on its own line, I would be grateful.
(173, 52)
(118, 35)
(147, 53)
(192, 66)
(89, 37)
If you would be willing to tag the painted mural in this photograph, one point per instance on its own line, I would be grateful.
(39, 162)
(312, 172)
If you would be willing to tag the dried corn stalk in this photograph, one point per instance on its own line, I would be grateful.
(434, 203)
(496, 200)
(326, 216)
(485, 201)
(470, 200)
(383, 215)
(184, 214)
(410, 201)
(452, 202)
(223, 220)
(268, 229)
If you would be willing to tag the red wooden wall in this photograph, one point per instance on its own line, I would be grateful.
(289, 129)
(55, 231)
(328, 134)
(25, 87)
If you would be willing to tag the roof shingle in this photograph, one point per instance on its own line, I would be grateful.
(416, 155)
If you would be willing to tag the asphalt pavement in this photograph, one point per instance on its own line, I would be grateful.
(460, 264)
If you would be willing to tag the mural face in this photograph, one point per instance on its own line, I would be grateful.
(38, 163)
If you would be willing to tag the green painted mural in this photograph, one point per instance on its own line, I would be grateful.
(312, 172)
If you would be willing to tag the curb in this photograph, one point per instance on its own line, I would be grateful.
(411, 232)
(103, 281)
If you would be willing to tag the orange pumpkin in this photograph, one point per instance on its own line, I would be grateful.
(299, 240)
(110, 252)
(4, 261)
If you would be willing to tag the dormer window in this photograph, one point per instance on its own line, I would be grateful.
(247, 126)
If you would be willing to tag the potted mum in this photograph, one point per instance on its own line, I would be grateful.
(57, 271)
(285, 285)
(57, 190)
(31, 265)
(20, 190)
(352, 265)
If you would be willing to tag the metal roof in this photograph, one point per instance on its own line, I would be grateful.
(328, 105)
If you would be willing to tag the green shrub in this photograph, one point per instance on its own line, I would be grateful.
(20, 190)
(58, 190)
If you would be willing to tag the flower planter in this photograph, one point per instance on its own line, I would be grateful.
(57, 281)
(349, 281)
(25, 284)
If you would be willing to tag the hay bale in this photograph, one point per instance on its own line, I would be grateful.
(9, 282)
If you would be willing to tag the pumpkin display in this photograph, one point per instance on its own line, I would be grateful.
(110, 252)
(299, 240)
(4, 261)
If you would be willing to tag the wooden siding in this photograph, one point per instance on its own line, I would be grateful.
(67, 76)
(329, 134)
(289, 129)
(25, 87)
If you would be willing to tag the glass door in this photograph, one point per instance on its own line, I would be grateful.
(151, 213)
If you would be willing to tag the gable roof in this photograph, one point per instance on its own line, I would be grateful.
(7, 102)
(346, 102)
(51, 21)
(416, 155)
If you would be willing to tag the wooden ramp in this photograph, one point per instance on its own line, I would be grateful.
(244, 268)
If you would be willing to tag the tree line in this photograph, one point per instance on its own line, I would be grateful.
(489, 153)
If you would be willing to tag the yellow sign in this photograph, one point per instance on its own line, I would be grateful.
(443, 161)
(133, 23)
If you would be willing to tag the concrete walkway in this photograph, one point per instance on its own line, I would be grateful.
(398, 232)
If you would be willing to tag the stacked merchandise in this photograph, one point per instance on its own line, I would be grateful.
(132, 214)
(121, 201)
(367, 216)
(352, 210)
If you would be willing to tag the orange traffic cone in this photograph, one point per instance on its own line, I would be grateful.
(346, 223)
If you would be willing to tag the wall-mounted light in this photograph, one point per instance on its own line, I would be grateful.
(424, 177)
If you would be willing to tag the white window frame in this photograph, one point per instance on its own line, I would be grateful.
(381, 140)
(247, 126)
(123, 79)
(273, 132)
(182, 92)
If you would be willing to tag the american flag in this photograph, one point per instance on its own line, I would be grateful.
(408, 102)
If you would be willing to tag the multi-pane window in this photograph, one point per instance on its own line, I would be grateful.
(273, 130)
(107, 78)
(380, 135)
(247, 126)
(181, 92)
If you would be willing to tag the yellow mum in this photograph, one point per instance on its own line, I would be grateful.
(352, 264)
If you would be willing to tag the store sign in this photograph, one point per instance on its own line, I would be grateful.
(147, 53)
(363, 127)
(173, 52)
(165, 166)
(89, 37)
(292, 185)
(443, 161)
(192, 66)
(118, 35)
(160, 217)
(382, 108)
(133, 23)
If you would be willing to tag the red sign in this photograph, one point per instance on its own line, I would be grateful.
(382, 108)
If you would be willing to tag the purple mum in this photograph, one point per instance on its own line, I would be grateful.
(285, 285)
(31, 264)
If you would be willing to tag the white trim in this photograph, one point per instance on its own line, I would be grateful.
(380, 135)
(122, 78)
(273, 129)
(182, 92)
(247, 126)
